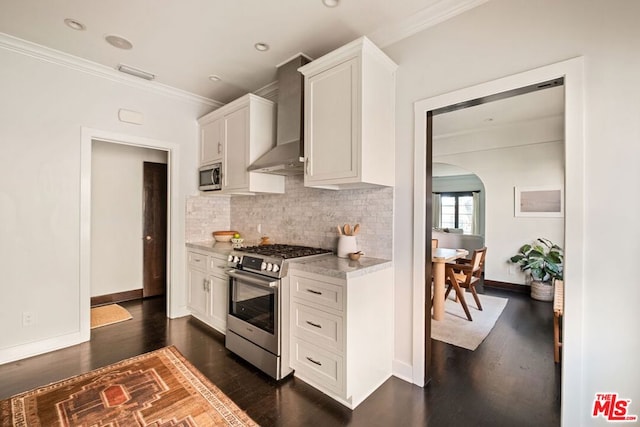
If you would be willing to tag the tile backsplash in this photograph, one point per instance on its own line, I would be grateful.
(206, 214)
(304, 216)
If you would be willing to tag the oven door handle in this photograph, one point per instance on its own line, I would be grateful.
(258, 281)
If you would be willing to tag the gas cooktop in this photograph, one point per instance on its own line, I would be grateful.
(283, 251)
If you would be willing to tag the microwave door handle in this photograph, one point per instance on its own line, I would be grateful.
(212, 178)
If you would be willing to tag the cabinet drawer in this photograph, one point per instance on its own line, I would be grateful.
(317, 292)
(322, 366)
(217, 266)
(323, 329)
(197, 260)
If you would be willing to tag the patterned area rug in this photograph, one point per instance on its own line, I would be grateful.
(157, 389)
(108, 315)
(457, 330)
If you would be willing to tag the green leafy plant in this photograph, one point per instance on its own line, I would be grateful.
(543, 260)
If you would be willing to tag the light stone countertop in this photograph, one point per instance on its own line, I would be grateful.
(327, 265)
(341, 268)
(221, 248)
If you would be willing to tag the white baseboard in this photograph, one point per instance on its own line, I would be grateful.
(402, 370)
(23, 351)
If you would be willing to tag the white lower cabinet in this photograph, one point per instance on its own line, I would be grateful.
(208, 286)
(342, 332)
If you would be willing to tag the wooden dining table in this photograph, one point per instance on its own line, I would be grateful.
(439, 257)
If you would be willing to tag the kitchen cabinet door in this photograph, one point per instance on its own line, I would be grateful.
(211, 143)
(198, 292)
(332, 147)
(236, 130)
(219, 301)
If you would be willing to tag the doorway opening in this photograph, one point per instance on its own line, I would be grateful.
(128, 222)
(571, 72)
(169, 155)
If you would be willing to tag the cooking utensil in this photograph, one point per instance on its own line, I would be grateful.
(356, 229)
(347, 230)
(339, 230)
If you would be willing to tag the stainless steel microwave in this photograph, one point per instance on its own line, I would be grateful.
(211, 177)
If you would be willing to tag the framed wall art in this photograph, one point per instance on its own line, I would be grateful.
(543, 201)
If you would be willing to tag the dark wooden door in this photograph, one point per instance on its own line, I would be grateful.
(155, 229)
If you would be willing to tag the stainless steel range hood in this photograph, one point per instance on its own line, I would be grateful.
(287, 157)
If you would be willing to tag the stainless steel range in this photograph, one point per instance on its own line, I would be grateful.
(258, 319)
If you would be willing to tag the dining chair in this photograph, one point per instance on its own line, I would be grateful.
(465, 276)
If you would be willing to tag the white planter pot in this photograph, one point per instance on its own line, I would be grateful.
(541, 291)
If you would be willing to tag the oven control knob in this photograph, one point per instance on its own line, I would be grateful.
(275, 268)
(263, 266)
(230, 259)
(269, 266)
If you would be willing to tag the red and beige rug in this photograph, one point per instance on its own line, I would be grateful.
(158, 389)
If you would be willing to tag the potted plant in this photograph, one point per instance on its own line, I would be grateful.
(543, 260)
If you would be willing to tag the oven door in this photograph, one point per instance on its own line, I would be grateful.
(254, 309)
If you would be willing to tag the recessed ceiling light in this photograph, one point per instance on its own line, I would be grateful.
(74, 25)
(119, 42)
(214, 78)
(262, 47)
(135, 72)
(330, 3)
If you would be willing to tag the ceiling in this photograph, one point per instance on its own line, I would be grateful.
(511, 111)
(516, 109)
(184, 42)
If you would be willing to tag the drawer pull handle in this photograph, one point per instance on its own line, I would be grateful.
(196, 260)
(315, 325)
(315, 362)
(314, 292)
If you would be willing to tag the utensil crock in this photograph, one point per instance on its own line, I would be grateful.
(346, 245)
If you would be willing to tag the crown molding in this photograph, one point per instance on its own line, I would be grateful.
(269, 91)
(72, 62)
(421, 20)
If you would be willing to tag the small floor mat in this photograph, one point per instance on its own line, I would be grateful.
(108, 315)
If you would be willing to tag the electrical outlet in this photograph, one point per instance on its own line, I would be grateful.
(513, 269)
(28, 318)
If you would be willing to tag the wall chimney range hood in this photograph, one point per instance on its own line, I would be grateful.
(287, 157)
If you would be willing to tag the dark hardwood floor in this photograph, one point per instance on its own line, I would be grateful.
(510, 380)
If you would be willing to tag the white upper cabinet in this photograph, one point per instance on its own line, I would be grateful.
(245, 130)
(349, 120)
(236, 129)
(211, 142)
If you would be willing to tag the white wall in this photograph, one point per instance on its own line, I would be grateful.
(117, 218)
(42, 109)
(524, 155)
(504, 37)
